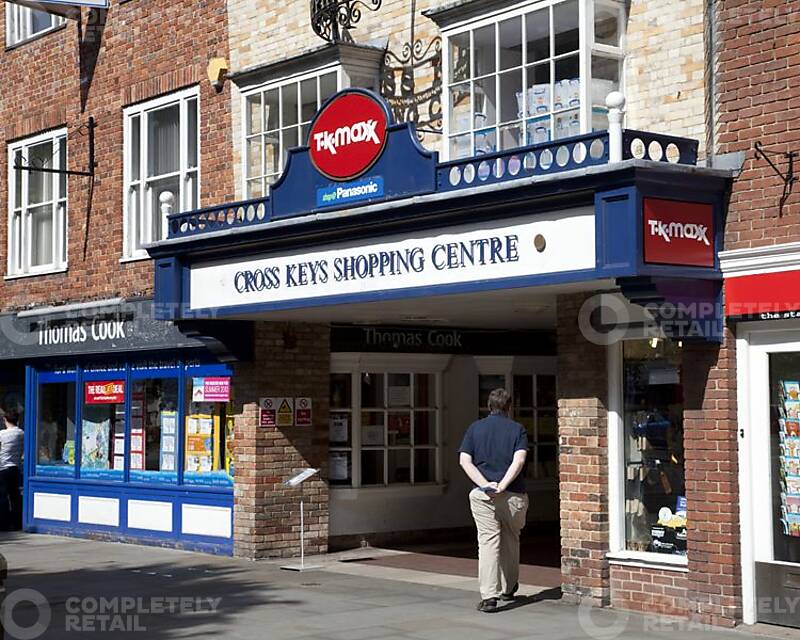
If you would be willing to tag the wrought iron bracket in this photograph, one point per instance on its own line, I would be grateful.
(89, 173)
(789, 178)
(331, 20)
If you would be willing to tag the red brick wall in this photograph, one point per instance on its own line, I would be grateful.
(290, 361)
(649, 590)
(758, 99)
(146, 48)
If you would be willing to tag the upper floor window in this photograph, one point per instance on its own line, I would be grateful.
(23, 23)
(538, 73)
(37, 204)
(277, 118)
(162, 164)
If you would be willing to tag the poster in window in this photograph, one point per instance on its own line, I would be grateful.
(338, 466)
(338, 428)
(95, 444)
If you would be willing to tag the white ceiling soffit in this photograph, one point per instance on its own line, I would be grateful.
(66, 8)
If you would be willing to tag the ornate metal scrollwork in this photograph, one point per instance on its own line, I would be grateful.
(333, 19)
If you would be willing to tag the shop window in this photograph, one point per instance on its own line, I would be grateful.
(103, 429)
(391, 428)
(55, 429)
(521, 78)
(153, 449)
(655, 502)
(784, 372)
(161, 166)
(37, 205)
(208, 438)
(277, 117)
(23, 23)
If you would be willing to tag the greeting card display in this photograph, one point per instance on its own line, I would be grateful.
(789, 459)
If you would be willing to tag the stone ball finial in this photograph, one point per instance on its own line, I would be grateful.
(615, 100)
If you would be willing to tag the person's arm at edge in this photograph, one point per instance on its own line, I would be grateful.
(517, 464)
(465, 460)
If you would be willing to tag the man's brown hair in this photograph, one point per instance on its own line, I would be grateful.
(499, 401)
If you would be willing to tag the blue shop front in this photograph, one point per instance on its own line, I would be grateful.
(128, 424)
(407, 258)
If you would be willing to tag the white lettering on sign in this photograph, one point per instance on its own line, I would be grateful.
(478, 252)
(671, 230)
(364, 131)
(97, 331)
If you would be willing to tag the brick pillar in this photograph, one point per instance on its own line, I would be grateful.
(712, 489)
(291, 360)
(583, 458)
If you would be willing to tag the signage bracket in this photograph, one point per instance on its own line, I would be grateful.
(789, 179)
(89, 173)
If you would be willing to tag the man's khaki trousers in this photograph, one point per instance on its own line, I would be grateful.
(499, 521)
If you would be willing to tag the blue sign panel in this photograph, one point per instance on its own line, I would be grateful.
(345, 193)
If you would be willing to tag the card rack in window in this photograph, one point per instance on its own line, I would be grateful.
(340, 457)
(522, 79)
(277, 118)
(535, 408)
(23, 23)
(161, 166)
(37, 224)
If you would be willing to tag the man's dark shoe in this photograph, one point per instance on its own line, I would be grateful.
(508, 597)
(488, 606)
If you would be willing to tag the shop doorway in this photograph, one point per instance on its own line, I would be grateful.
(769, 363)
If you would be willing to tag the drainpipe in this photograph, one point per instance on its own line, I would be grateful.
(615, 102)
(712, 30)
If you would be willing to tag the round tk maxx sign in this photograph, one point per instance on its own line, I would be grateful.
(348, 135)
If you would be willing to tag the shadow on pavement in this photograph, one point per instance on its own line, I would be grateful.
(524, 601)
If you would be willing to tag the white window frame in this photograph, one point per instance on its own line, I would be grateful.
(296, 79)
(19, 24)
(143, 220)
(587, 48)
(357, 364)
(20, 233)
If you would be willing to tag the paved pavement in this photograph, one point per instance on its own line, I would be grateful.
(126, 591)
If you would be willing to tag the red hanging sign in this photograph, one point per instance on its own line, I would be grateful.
(348, 135)
(105, 392)
(678, 233)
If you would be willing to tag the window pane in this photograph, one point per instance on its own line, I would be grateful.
(545, 391)
(399, 428)
(372, 467)
(255, 188)
(511, 43)
(340, 468)
(290, 140)
(136, 149)
(341, 391)
(459, 57)
(538, 130)
(460, 146)
(372, 429)
(484, 40)
(62, 164)
(272, 156)
(103, 430)
(487, 384)
(523, 392)
(254, 114)
(40, 21)
(255, 157)
(308, 98)
(565, 26)
(424, 428)
(40, 185)
(372, 390)
(163, 201)
(339, 429)
(207, 446)
(163, 141)
(425, 390)
(606, 25)
(527, 419)
(289, 104)
(55, 426)
(605, 78)
(547, 425)
(18, 160)
(537, 31)
(399, 466)
(539, 90)
(42, 236)
(154, 430)
(567, 91)
(654, 469)
(567, 124)
(399, 389)
(424, 465)
(485, 141)
(191, 133)
(328, 85)
(271, 111)
(134, 217)
(547, 462)
(511, 96)
(485, 102)
(460, 108)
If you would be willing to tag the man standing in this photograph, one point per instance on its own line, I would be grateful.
(493, 455)
(11, 447)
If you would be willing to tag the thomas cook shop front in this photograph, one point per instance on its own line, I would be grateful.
(388, 292)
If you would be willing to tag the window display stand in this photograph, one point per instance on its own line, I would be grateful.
(297, 481)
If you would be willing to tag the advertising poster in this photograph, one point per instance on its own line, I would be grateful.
(105, 392)
(211, 389)
(95, 444)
